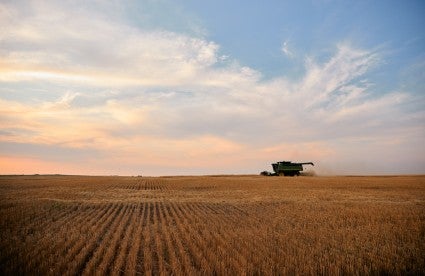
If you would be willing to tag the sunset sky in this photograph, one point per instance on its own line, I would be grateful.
(160, 87)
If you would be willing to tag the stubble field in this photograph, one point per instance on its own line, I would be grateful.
(225, 225)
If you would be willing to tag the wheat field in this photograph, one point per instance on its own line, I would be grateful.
(203, 225)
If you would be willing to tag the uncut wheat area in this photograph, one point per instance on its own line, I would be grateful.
(202, 225)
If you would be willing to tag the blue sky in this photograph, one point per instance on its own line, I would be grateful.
(253, 32)
(195, 87)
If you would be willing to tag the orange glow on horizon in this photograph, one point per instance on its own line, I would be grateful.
(23, 165)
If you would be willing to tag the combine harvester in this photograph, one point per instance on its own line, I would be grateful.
(287, 168)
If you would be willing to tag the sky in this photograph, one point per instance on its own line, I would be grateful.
(162, 87)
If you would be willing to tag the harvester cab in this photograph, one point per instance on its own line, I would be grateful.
(288, 168)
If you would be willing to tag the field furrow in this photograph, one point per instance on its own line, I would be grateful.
(54, 213)
(234, 258)
(174, 239)
(128, 238)
(121, 242)
(98, 231)
(157, 246)
(33, 237)
(49, 254)
(82, 233)
(172, 263)
(190, 238)
(101, 254)
(146, 258)
(135, 244)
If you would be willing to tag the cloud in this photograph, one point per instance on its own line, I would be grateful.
(45, 44)
(285, 49)
(170, 102)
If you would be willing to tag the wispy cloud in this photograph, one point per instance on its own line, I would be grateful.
(285, 49)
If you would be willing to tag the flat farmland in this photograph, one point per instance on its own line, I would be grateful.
(223, 225)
